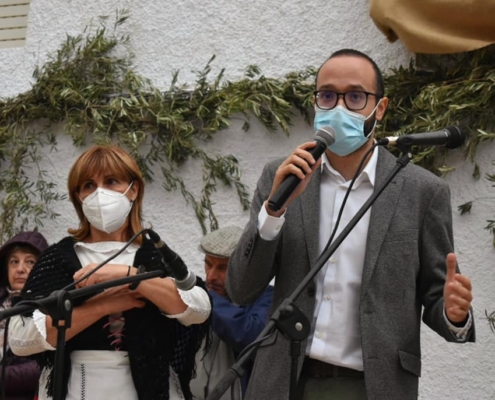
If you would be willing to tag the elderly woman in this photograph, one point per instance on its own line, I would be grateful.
(127, 343)
(17, 259)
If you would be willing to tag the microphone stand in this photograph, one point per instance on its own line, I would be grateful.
(58, 305)
(288, 318)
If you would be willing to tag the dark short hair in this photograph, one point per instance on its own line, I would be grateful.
(380, 86)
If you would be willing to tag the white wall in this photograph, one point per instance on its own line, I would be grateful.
(283, 37)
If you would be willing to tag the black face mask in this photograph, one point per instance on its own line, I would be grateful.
(369, 124)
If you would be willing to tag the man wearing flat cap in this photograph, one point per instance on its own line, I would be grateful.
(233, 327)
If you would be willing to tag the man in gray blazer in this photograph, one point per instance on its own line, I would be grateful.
(365, 304)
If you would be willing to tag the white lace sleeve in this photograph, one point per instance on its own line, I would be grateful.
(28, 335)
(198, 306)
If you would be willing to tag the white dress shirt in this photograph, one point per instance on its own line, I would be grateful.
(335, 335)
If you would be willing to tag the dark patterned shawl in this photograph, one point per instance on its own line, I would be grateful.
(153, 341)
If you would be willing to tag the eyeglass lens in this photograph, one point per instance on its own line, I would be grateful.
(354, 100)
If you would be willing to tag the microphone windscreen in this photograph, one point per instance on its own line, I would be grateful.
(456, 138)
(326, 134)
(153, 236)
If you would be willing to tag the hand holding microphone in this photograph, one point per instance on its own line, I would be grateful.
(297, 167)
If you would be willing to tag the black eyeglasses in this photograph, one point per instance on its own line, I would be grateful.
(354, 100)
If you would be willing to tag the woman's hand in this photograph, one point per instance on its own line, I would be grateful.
(163, 293)
(104, 274)
(110, 301)
(115, 300)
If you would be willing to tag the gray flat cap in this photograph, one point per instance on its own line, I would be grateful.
(222, 242)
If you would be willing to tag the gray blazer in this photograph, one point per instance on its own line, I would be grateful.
(409, 236)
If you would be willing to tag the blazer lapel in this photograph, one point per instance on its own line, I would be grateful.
(381, 212)
(310, 216)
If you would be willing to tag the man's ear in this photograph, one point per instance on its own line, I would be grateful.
(382, 107)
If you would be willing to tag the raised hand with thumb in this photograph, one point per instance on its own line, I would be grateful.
(456, 292)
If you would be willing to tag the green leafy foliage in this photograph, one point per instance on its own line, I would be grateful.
(447, 90)
(491, 228)
(91, 88)
(465, 208)
(491, 319)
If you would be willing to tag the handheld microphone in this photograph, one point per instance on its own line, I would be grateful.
(184, 279)
(325, 136)
(450, 137)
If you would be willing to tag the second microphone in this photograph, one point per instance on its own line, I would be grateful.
(184, 278)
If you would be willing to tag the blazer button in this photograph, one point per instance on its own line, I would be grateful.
(249, 246)
(311, 291)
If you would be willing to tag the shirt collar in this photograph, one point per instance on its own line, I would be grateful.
(367, 175)
(104, 247)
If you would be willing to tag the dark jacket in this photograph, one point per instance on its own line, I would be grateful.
(21, 373)
(239, 326)
(234, 327)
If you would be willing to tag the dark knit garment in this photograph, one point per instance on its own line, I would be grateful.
(153, 341)
(21, 373)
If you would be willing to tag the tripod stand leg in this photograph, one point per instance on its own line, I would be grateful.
(295, 352)
(58, 372)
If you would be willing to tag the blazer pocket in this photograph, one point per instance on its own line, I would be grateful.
(410, 362)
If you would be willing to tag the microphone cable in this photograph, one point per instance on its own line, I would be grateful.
(86, 276)
(341, 211)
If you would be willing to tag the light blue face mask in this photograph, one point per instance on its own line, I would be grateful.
(348, 125)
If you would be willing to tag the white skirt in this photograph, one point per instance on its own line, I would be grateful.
(104, 375)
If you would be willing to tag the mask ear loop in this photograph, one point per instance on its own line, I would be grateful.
(85, 218)
(132, 183)
(369, 116)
